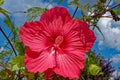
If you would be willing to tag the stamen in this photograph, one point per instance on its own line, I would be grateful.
(58, 41)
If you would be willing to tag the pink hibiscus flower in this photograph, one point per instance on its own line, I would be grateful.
(56, 43)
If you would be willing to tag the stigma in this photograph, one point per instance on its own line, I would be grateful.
(58, 41)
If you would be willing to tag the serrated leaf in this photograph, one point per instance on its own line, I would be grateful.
(94, 69)
(17, 62)
(34, 12)
(1, 2)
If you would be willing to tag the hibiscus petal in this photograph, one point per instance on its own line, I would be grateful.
(86, 35)
(39, 61)
(31, 34)
(78, 35)
(69, 64)
(54, 13)
(56, 43)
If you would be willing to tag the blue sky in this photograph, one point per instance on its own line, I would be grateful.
(109, 48)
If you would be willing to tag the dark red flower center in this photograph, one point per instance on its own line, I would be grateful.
(58, 41)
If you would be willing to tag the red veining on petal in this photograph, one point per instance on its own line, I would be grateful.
(58, 41)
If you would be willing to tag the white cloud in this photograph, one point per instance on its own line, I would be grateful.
(111, 31)
(115, 75)
(22, 5)
(110, 28)
(116, 58)
(1, 68)
(1, 49)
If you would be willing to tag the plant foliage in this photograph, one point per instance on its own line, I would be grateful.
(96, 66)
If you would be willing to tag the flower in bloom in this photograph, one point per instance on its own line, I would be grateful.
(56, 43)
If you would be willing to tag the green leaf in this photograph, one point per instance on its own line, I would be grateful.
(4, 53)
(17, 63)
(4, 74)
(8, 21)
(116, 11)
(60, 1)
(76, 1)
(34, 12)
(19, 47)
(82, 77)
(16, 31)
(102, 1)
(116, 1)
(30, 75)
(1, 2)
(94, 69)
(15, 67)
(83, 8)
(91, 58)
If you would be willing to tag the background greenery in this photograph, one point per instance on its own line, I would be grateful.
(12, 58)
